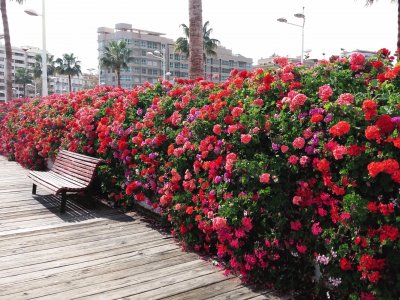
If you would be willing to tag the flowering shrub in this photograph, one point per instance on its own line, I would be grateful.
(290, 176)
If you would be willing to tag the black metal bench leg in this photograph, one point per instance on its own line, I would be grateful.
(63, 202)
(34, 189)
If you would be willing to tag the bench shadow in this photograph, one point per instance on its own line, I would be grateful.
(79, 209)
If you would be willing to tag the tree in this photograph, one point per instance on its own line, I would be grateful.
(68, 65)
(7, 45)
(196, 58)
(24, 77)
(37, 67)
(370, 2)
(116, 55)
(209, 44)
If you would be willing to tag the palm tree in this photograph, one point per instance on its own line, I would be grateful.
(370, 2)
(209, 44)
(116, 55)
(68, 65)
(196, 58)
(7, 44)
(24, 77)
(37, 67)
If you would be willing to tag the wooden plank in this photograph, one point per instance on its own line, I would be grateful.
(9, 275)
(207, 291)
(135, 283)
(86, 278)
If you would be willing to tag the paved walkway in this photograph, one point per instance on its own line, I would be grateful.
(95, 253)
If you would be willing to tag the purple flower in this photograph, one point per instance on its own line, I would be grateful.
(310, 150)
(396, 120)
(276, 147)
(328, 118)
(217, 179)
(139, 112)
(317, 111)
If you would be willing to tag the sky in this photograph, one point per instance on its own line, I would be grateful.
(249, 28)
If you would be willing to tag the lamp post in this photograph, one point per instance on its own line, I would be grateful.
(161, 56)
(31, 12)
(301, 16)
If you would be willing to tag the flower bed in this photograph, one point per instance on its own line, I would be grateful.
(290, 176)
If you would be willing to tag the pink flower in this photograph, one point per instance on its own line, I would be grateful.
(339, 151)
(325, 92)
(265, 177)
(293, 159)
(299, 143)
(245, 138)
(316, 229)
(237, 111)
(304, 160)
(295, 225)
(284, 148)
(219, 223)
(297, 200)
(307, 133)
(345, 99)
(217, 129)
(232, 128)
(297, 101)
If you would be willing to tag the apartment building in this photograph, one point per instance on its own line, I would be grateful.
(22, 57)
(58, 84)
(149, 68)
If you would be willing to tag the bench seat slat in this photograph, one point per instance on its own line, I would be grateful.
(56, 180)
(84, 171)
(73, 176)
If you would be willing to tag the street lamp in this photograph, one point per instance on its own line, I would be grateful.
(301, 16)
(31, 12)
(161, 56)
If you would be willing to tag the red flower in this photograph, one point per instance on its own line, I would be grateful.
(340, 128)
(385, 124)
(345, 264)
(372, 133)
(323, 165)
(316, 118)
(370, 108)
(388, 232)
(372, 207)
(374, 168)
(246, 222)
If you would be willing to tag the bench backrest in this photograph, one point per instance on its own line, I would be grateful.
(76, 167)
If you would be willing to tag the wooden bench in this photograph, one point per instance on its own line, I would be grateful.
(71, 173)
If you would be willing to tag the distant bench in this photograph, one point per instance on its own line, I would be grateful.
(71, 173)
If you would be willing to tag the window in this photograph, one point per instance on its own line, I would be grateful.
(177, 65)
(143, 44)
(143, 70)
(144, 61)
(136, 43)
(177, 57)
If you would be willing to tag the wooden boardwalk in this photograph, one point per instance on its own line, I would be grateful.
(95, 253)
